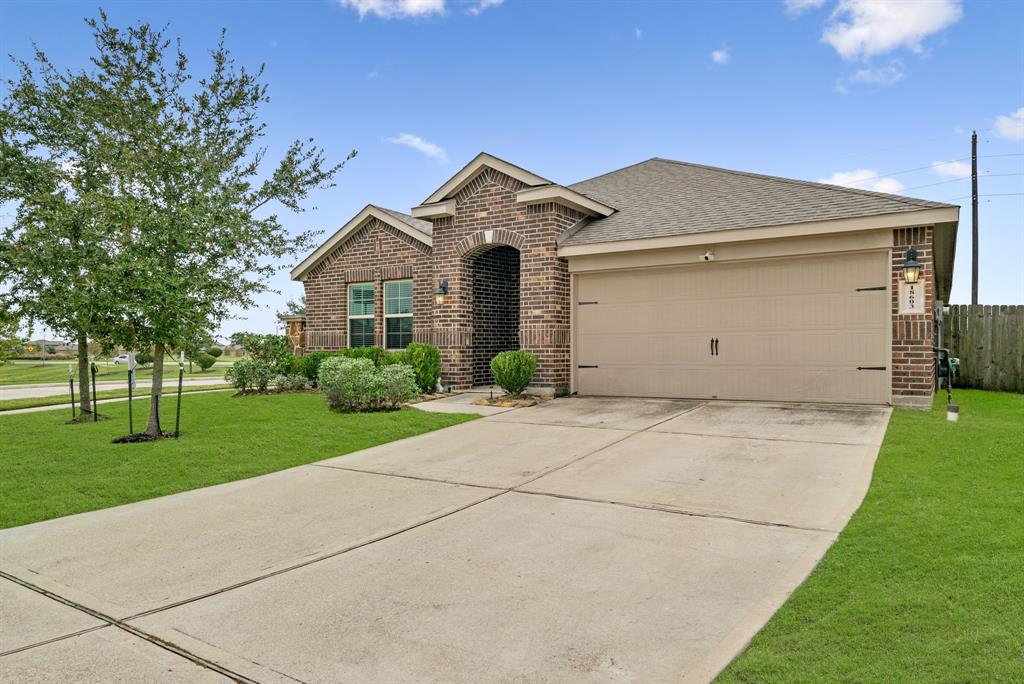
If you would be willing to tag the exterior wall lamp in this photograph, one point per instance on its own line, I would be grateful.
(911, 268)
(441, 293)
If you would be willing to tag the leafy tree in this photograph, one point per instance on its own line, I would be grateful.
(10, 344)
(57, 254)
(215, 352)
(192, 192)
(51, 350)
(294, 307)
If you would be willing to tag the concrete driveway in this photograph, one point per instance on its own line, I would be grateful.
(588, 540)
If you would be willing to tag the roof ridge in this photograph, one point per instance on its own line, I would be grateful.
(608, 173)
(913, 201)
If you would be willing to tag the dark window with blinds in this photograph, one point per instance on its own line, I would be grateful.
(397, 314)
(360, 315)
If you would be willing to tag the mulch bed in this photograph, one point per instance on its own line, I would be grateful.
(434, 395)
(509, 401)
(142, 437)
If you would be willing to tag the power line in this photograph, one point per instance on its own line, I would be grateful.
(933, 164)
(991, 194)
(960, 180)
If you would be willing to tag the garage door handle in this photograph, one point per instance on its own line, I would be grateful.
(869, 289)
(716, 346)
(712, 346)
(584, 365)
(881, 368)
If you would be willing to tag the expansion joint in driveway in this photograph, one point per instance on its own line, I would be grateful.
(130, 629)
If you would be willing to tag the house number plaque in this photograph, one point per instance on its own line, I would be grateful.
(911, 298)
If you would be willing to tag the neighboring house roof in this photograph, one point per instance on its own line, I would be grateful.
(413, 227)
(662, 198)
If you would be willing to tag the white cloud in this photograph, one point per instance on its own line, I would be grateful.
(863, 28)
(638, 34)
(721, 56)
(1011, 126)
(797, 7)
(395, 9)
(372, 75)
(952, 169)
(863, 179)
(420, 145)
(883, 76)
(481, 5)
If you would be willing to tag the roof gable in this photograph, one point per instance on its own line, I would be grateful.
(474, 168)
(414, 228)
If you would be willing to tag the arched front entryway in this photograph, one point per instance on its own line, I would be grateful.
(493, 271)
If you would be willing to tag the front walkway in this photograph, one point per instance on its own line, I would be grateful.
(579, 540)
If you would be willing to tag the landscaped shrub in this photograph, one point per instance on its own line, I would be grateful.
(250, 374)
(396, 384)
(289, 383)
(425, 360)
(143, 358)
(309, 365)
(379, 356)
(356, 385)
(205, 361)
(274, 350)
(513, 370)
(346, 382)
(215, 352)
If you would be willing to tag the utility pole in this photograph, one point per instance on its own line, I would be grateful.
(974, 217)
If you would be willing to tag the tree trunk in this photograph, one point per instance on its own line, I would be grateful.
(157, 385)
(84, 377)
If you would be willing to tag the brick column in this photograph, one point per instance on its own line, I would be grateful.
(913, 361)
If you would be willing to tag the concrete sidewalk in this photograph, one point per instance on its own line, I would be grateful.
(581, 540)
(55, 389)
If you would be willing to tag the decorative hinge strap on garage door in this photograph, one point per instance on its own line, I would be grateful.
(583, 365)
(881, 368)
(867, 289)
(583, 303)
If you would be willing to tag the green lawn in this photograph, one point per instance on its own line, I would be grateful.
(50, 469)
(926, 583)
(54, 400)
(33, 372)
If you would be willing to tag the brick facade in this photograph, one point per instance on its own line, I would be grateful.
(376, 253)
(913, 335)
(487, 214)
(508, 289)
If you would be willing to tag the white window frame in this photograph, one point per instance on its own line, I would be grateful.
(348, 309)
(388, 317)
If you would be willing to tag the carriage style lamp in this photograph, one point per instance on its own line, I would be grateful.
(441, 293)
(911, 268)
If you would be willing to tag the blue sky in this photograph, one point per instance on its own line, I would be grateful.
(855, 91)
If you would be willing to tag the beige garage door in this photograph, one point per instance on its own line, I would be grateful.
(792, 329)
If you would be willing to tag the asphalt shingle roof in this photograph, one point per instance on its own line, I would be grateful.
(425, 227)
(661, 197)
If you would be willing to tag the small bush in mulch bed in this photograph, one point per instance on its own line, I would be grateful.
(513, 370)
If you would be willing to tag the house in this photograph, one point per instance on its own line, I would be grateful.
(661, 279)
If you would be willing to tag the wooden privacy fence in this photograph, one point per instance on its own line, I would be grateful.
(989, 340)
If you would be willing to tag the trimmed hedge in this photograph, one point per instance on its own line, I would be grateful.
(425, 360)
(513, 370)
(357, 385)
